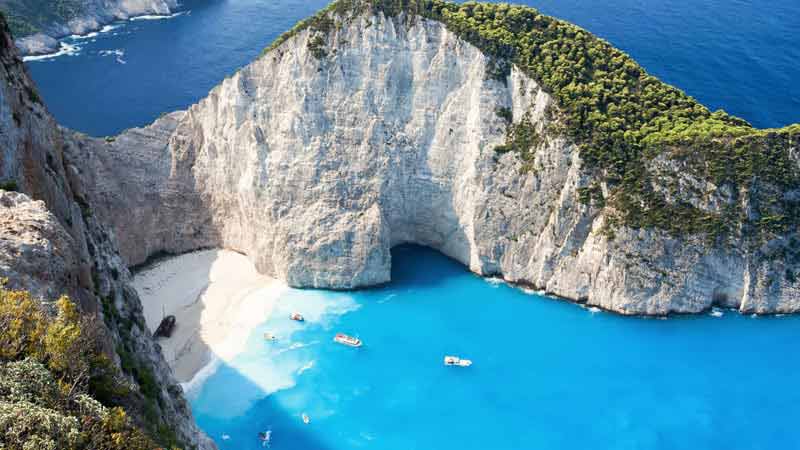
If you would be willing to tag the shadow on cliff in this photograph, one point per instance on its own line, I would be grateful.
(422, 266)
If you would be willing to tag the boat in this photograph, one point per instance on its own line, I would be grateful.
(306, 419)
(165, 328)
(347, 340)
(456, 361)
(270, 337)
(297, 316)
(265, 437)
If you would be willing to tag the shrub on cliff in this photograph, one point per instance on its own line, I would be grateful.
(623, 121)
(50, 368)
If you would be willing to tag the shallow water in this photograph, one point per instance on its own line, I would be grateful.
(738, 55)
(546, 374)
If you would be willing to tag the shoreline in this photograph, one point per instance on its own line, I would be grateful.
(56, 45)
(217, 297)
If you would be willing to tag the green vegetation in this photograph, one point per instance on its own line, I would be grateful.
(52, 374)
(49, 368)
(31, 16)
(624, 121)
(316, 45)
(9, 185)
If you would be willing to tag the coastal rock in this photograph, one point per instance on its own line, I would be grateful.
(52, 244)
(328, 150)
(36, 252)
(37, 44)
(92, 15)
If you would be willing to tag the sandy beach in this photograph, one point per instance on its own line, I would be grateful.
(217, 297)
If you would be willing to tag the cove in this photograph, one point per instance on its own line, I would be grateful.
(546, 374)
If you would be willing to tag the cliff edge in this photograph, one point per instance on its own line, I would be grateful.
(53, 244)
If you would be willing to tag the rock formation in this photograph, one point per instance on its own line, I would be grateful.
(40, 23)
(52, 243)
(333, 147)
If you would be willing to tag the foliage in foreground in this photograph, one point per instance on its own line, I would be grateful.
(50, 368)
(623, 120)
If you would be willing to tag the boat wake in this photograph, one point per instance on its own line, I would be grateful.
(306, 366)
(119, 53)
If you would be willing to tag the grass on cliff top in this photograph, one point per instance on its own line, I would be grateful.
(621, 117)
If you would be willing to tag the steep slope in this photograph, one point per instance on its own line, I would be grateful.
(51, 244)
(381, 122)
(37, 24)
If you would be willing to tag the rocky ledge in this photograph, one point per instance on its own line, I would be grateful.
(52, 244)
(371, 128)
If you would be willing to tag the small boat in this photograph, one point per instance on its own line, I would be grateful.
(270, 337)
(456, 361)
(265, 437)
(306, 419)
(165, 328)
(347, 340)
(297, 316)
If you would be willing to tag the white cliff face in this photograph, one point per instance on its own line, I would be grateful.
(315, 168)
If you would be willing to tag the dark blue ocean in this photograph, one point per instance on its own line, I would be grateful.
(546, 374)
(739, 55)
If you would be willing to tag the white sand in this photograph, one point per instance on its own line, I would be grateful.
(217, 297)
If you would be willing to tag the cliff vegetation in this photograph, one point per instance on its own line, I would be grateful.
(57, 388)
(624, 120)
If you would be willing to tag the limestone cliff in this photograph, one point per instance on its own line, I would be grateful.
(52, 243)
(381, 129)
(38, 24)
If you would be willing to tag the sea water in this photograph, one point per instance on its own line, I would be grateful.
(546, 374)
(742, 56)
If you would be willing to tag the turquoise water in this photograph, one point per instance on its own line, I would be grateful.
(546, 374)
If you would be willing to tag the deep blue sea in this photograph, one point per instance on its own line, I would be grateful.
(739, 55)
(547, 374)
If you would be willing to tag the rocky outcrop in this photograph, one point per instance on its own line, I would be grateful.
(90, 15)
(330, 149)
(52, 243)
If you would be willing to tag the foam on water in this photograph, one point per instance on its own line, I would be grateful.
(109, 28)
(65, 50)
(93, 34)
(159, 16)
(118, 53)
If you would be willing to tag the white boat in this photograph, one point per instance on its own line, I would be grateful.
(270, 337)
(265, 437)
(456, 361)
(297, 316)
(347, 340)
(306, 419)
